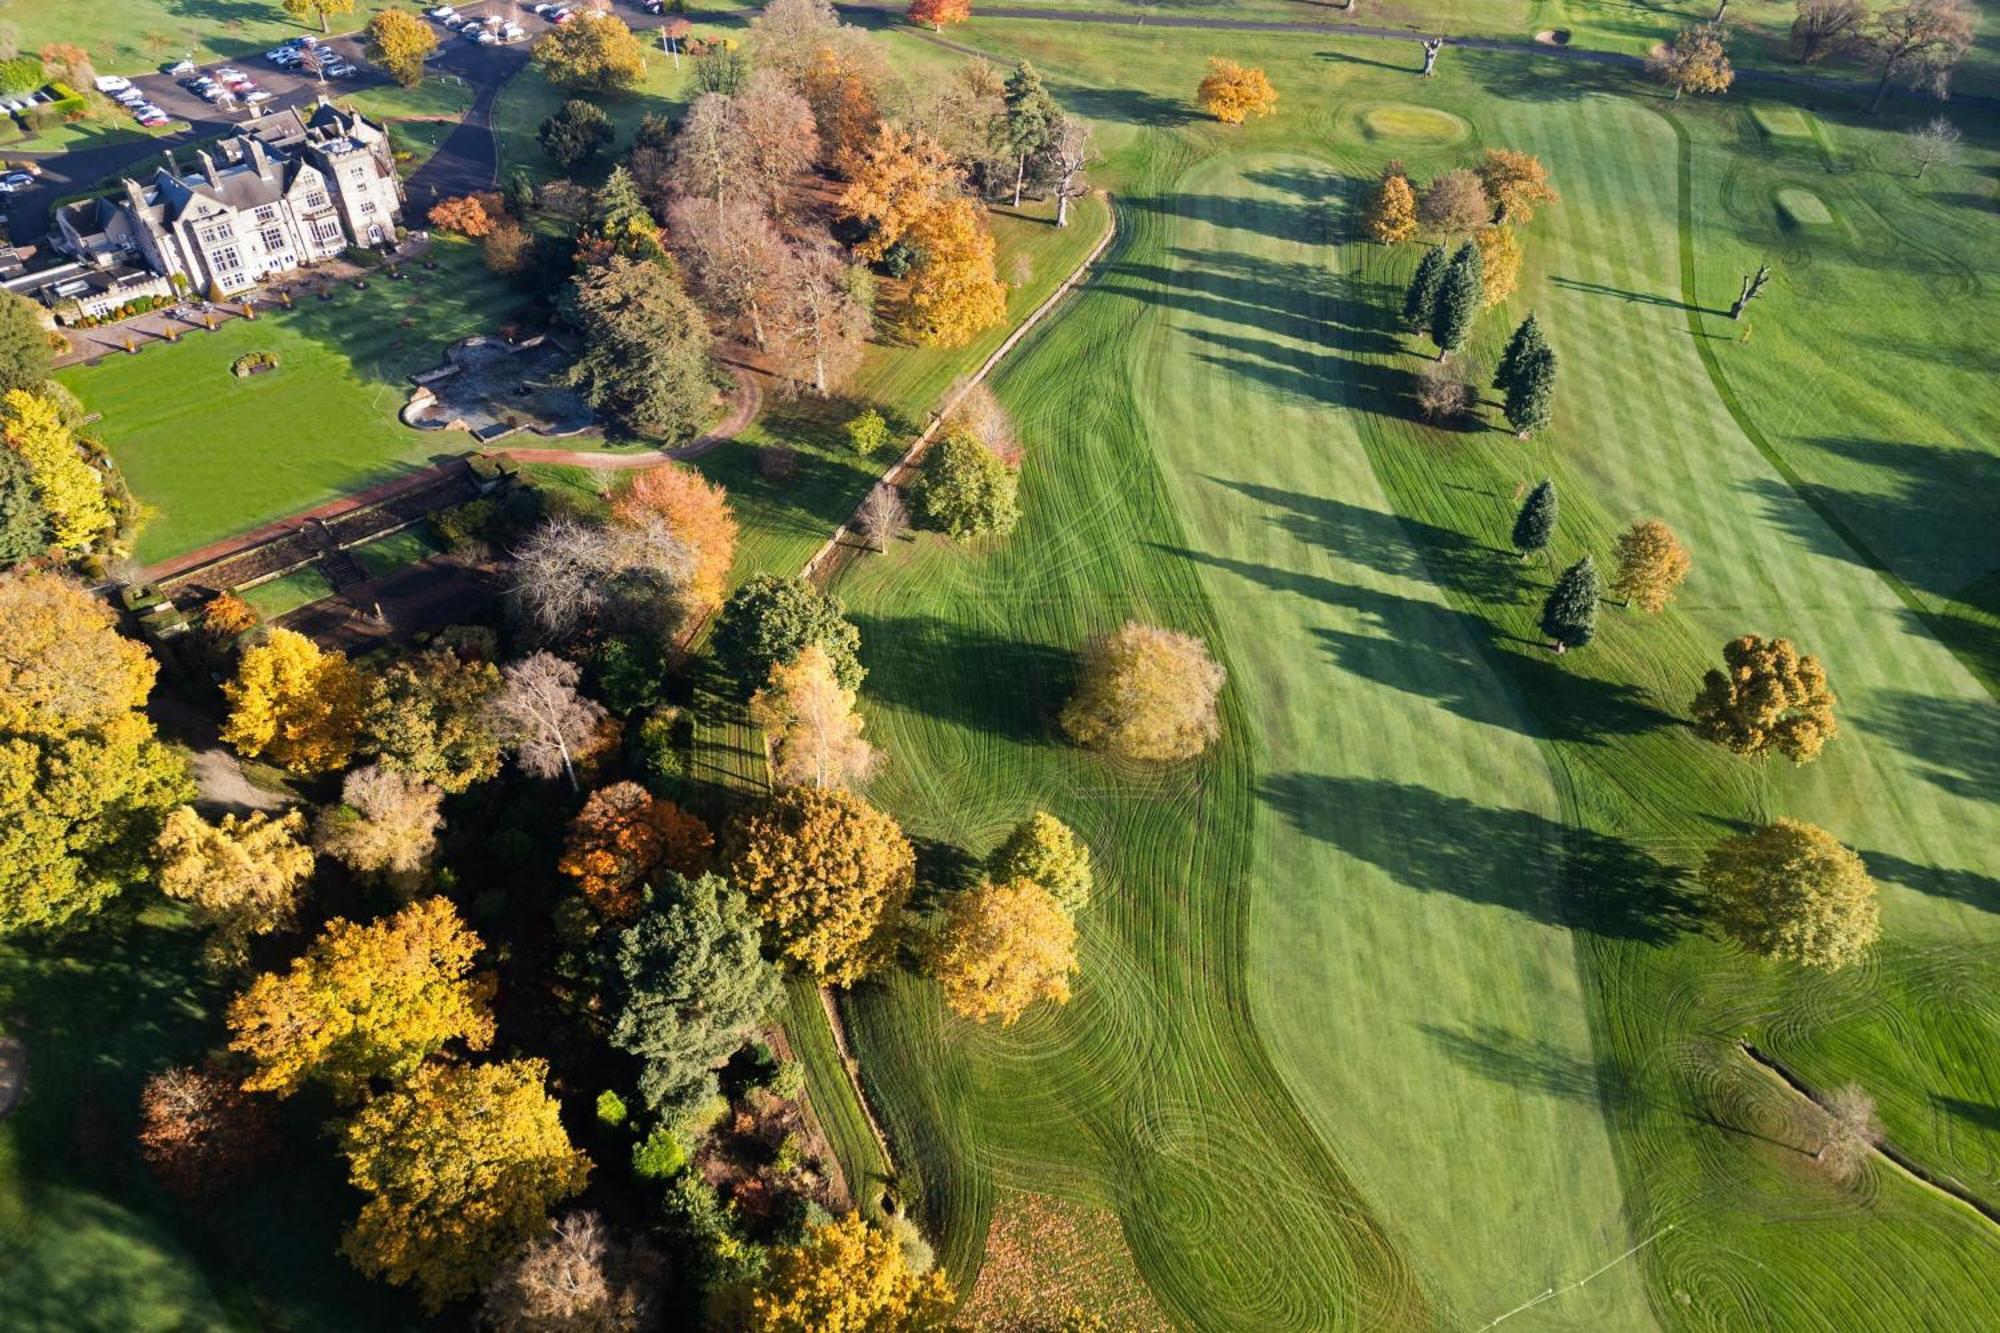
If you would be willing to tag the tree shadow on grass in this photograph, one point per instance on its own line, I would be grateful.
(1953, 741)
(1307, 222)
(1532, 1064)
(966, 675)
(1128, 105)
(1550, 872)
(1965, 886)
(1986, 1115)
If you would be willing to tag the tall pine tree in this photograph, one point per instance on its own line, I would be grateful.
(1030, 124)
(1536, 523)
(24, 524)
(1422, 292)
(1459, 299)
(1569, 616)
(1531, 391)
(1527, 336)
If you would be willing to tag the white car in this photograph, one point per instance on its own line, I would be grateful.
(257, 98)
(111, 83)
(443, 12)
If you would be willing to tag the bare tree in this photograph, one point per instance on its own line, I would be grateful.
(540, 717)
(819, 330)
(385, 823)
(1849, 1131)
(1074, 150)
(976, 411)
(788, 34)
(1753, 287)
(1442, 394)
(883, 516)
(1920, 44)
(1935, 143)
(1826, 28)
(773, 141)
(705, 153)
(732, 254)
(570, 575)
(577, 1278)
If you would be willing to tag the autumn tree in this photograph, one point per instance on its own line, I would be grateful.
(572, 576)
(1569, 613)
(295, 703)
(646, 359)
(25, 358)
(1768, 697)
(935, 14)
(1460, 297)
(1932, 143)
(1535, 524)
(1827, 27)
(577, 132)
(460, 1166)
(429, 715)
(810, 724)
(691, 986)
(400, 42)
(241, 876)
(769, 621)
(1420, 297)
(1790, 891)
(732, 255)
(1043, 850)
(1850, 1131)
(576, 1278)
(385, 823)
(463, 214)
(84, 784)
(819, 329)
(1695, 61)
(1455, 203)
(787, 35)
(842, 83)
(364, 1002)
(594, 53)
(1073, 150)
(1517, 184)
(697, 511)
(967, 491)
(225, 616)
(1499, 263)
(541, 718)
(897, 179)
(1920, 44)
(200, 1134)
(1442, 394)
(953, 294)
(1531, 391)
(1391, 217)
(1146, 693)
(773, 141)
(846, 1275)
(620, 837)
(1002, 948)
(318, 10)
(1651, 564)
(70, 491)
(828, 874)
(1232, 93)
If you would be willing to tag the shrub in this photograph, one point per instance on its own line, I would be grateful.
(658, 748)
(789, 1081)
(466, 214)
(611, 1110)
(251, 362)
(660, 1156)
(1441, 394)
(868, 432)
(22, 74)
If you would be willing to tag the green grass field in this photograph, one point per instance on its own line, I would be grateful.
(1399, 1006)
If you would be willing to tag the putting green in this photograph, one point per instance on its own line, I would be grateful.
(1798, 207)
(1401, 122)
(1781, 122)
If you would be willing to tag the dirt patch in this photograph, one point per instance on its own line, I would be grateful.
(1553, 36)
(1045, 1255)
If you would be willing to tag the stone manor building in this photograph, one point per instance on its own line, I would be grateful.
(286, 189)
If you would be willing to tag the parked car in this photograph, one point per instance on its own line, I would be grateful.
(442, 13)
(154, 121)
(339, 69)
(111, 83)
(178, 68)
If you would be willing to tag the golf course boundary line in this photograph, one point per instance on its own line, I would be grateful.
(1863, 553)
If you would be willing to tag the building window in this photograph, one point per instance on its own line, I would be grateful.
(226, 258)
(316, 200)
(268, 213)
(326, 231)
(274, 240)
(367, 208)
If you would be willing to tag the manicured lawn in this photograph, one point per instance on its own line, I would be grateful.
(214, 455)
(386, 555)
(1412, 956)
(287, 592)
(133, 36)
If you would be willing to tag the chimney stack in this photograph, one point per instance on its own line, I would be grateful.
(208, 167)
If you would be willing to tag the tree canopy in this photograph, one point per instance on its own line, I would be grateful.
(295, 703)
(769, 621)
(1791, 891)
(1233, 93)
(646, 349)
(1768, 697)
(1651, 564)
(1004, 947)
(846, 1275)
(242, 876)
(809, 721)
(1043, 850)
(1535, 524)
(1569, 614)
(400, 42)
(1146, 693)
(594, 53)
(429, 715)
(622, 834)
(967, 490)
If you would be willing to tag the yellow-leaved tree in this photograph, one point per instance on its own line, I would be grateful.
(954, 293)
(1232, 93)
(1003, 947)
(828, 873)
(1791, 891)
(847, 1275)
(1516, 182)
(1499, 263)
(242, 876)
(1145, 693)
(295, 703)
(1768, 696)
(809, 719)
(1043, 850)
(84, 783)
(1392, 207)
(71, 491)
(1651, 564)
(460, 1165)
(896, 178)
(365, 1002)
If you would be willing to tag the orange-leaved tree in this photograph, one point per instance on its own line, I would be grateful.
(954, 294)
(1516, 182)
(465, 214)
(364, 1002)
(896, 178)
(1392, 207)
(1768, 696)
(696, 510)
(1232, 93)
(620, 836)
(934, 14)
